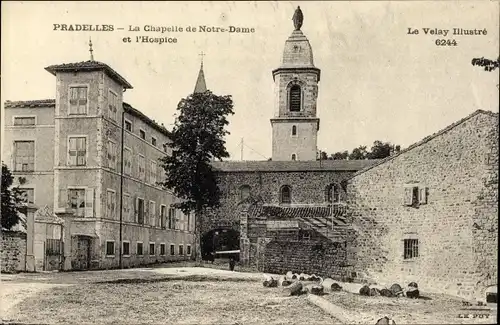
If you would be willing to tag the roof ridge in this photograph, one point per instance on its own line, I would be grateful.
(425, 140)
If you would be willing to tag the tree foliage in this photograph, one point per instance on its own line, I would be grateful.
(378, 150)
(11, 199)
(197, 139)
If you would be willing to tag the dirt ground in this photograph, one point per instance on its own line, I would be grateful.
(198, 295)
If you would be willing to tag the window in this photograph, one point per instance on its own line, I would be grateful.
(286, 194)
(76, 201)
(78, 100)
(333, 193)
(181, 250)
(24, 120)
(294, 157)
(126, 206)
(294, 130)
(140, 211)
(152, 212)
(171, 218)
(152, 249)
(153, 141)
(163, 212)
(142, 133)
(165, 147)
(126, 248)
(142, 167)
(188, 250)
(172, 249)
(410, 248)
(295, 98)
(77, 151)
(110, 204)
(113, 104)
(139, 248)
(24, 156)
(244, 192)
(162, 250)
(128, 126)
(127, 161)
(415, 195)
(110, 248)
(152, 172)
(27, 195)
(111, 155)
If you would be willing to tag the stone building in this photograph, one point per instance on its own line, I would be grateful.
(93, 160)
(430, 213)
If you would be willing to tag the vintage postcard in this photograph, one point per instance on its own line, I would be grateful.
(237, 162)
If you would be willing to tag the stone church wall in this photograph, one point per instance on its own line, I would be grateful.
(456, 226)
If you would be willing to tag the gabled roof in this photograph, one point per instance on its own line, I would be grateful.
(425, 140)
(291, 166)
(133, 111)
(89, 66)
(31, 103)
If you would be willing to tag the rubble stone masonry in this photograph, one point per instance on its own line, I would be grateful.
(455, 221)
(13, 251)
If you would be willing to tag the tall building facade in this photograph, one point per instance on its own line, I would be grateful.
(94, 160)
(295, 125)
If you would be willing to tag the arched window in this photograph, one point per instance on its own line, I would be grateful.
(294, 156)
(295, 98)
(244, 192)
(294, 130)
(333, 193)
(286, 194)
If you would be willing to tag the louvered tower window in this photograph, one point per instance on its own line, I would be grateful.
(295, 98)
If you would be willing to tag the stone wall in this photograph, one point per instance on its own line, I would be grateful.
(320, 258)
(13, 251)
(455, 222)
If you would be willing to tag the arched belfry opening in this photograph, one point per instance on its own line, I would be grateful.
(295, 98)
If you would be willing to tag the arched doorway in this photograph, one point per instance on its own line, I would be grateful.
(220, 243)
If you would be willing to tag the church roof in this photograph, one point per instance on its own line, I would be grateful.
(292, 166)
(89, 66)
(201, 85)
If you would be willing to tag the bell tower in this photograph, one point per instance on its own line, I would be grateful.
(295, 125)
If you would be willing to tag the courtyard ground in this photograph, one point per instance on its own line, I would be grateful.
(195, 295)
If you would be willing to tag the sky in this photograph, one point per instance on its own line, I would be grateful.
(377, 81)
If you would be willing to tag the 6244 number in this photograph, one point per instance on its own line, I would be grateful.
(446, 42)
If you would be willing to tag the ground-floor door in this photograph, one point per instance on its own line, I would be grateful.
(54, 250)
(81, 256)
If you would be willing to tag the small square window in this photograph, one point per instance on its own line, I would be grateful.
(139, 249)
(172, 249)
(142, 133)
(152, 249)
(110, 248)
(128, 126)
(410, 248)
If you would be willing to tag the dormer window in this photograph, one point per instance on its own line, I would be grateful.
(295, 98)
(78, 100)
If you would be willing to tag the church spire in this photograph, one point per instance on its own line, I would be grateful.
(201, 85)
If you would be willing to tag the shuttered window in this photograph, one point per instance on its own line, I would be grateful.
(77, 152)
(78, 100)
(295, 98)
(24, 156)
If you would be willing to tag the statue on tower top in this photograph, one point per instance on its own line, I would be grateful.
(298, 18)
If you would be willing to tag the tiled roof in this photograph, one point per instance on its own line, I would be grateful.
(133, 111)
(89, 66)
(291, 166)
(277, 212)
(30, 103)
(426, 139)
